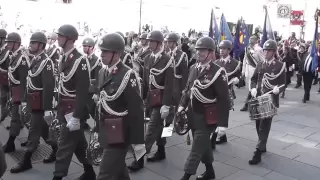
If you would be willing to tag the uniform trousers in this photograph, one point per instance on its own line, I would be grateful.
(38, 128)
(4, 92)
(16, 123)
(113, 165)
(201, 145)
(263, 127)
(307, 84)
(154, 131)
(69, 142)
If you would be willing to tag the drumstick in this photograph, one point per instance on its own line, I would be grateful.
(272, 90)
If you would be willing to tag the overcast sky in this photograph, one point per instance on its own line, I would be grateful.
(178, 15)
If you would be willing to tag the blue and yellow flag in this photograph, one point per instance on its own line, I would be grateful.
(213, 29)
(225, 33)
(241, 39)
(314, 47)
(267, 32)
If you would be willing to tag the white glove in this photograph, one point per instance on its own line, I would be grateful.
(276, 90)
(73, 124)
(164, 111)
(221, 131)
(180, 109)
(23, 104)
(95, 98)
(47, 113)
(253, 92)
(235, 80)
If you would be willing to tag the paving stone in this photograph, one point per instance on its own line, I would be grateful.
(314, 137)
(277, 176)
(243, 175)
(290, 167)
(243, 165)
(297, 140)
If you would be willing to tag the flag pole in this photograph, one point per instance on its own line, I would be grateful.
(140, 16)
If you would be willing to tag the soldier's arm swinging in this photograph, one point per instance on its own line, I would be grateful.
(82, 80)
(220, 87)
(23, 73)
(135, 109)
(167, 93)
(48, 84)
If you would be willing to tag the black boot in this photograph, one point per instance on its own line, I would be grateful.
(256, 159)
(24, 165)
(283, 94)
(299, 80)
(136, 165)
(158, 156)
(57, 178)
(88, 174)
(213, 140)
(222, 139)
(245, 107)
(208, 174)
(186, 176)
(10, 146)
(52, 156)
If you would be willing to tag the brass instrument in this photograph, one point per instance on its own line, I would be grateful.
(180, 120)
(9, 106)
(26, 116)
(54, 129)
(94, 151)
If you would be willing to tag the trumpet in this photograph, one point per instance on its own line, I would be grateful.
(95, 151)
(54, 129)
(26, 116)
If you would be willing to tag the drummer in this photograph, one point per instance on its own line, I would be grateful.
(269, 76)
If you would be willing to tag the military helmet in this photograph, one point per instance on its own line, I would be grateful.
(270, 45)
(173, 37)
(226, 44)
(88, 42)
(206, 43)
(38, 37)
(143, 36)
(155, 36)
(120, 33)
(112, 42)
(13, 37)
(53, 36)
(3, 33)
(68, 31)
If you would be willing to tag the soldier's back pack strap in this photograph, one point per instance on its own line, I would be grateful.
(250, 59)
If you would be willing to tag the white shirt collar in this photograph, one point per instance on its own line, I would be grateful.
(270, 61)
(227, 59)
(69, 52)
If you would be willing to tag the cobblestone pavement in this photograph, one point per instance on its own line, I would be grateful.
(293, 151)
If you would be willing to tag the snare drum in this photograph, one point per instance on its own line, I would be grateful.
(262, 107)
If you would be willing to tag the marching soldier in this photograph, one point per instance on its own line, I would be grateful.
(72, 106)
(40, 85)
(181, 71)
(53, 51)
(253, 55)
(301, 56)
(126, 56)
(158, 86)
(17, 73)
(268, 76)
(4, 64)
(207, 98)
(120, 106)
(232, 68)
(143, 53)
(95, 66)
